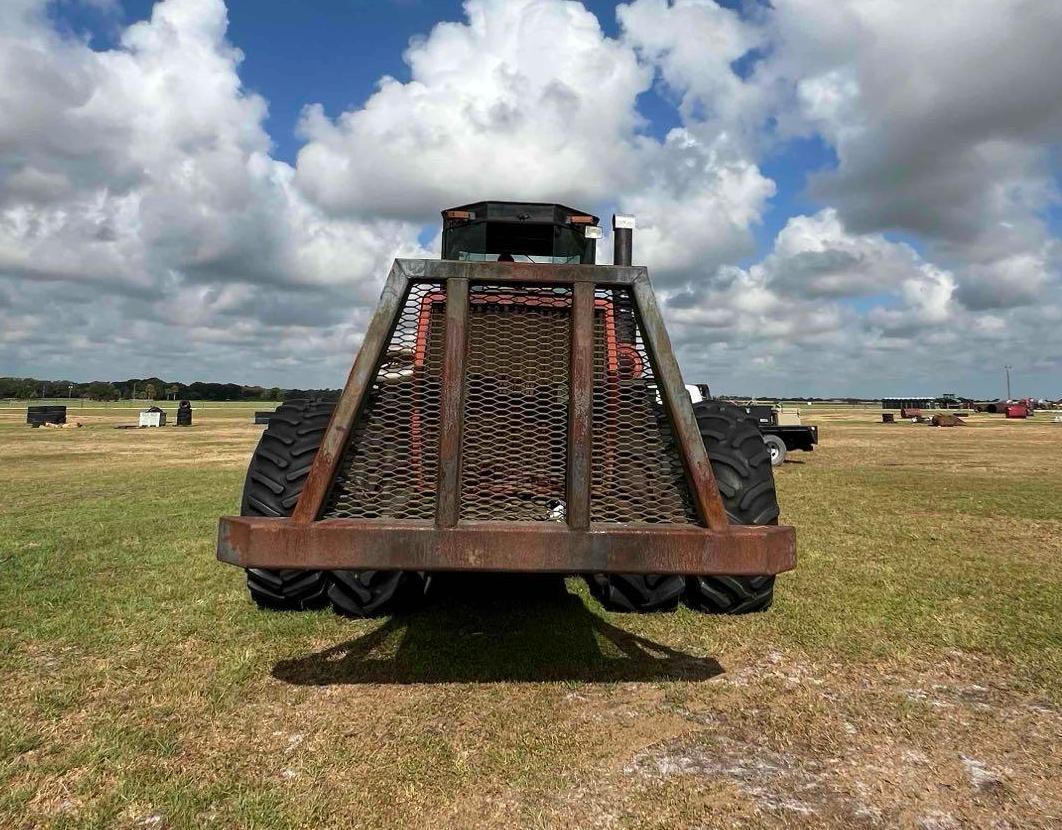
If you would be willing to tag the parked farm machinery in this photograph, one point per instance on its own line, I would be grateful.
(514, 407)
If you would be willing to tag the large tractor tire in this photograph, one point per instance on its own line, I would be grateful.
(372, 593)
(275, 479)
(637, 593)
(741, 462)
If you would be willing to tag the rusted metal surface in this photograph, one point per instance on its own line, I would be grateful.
(544, 396)
(389, 468)
(515, 425)
(376, 335)
(334, 544)
(580, 408)
(524, 272)
(694, 456)
(637, 473)
(452, 403)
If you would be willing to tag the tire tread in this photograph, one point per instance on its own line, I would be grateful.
(741, 462)
(272, 489)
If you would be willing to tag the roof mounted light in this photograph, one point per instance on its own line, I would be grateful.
(592, 232)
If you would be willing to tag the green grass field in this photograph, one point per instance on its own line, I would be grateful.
(909, 673)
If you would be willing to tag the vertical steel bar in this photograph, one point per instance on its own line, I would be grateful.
(580, 435)
(451, 412)
(680, 410)
(336, 435)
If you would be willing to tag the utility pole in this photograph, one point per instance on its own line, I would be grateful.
(1007, 369)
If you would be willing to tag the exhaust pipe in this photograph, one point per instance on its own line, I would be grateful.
(622, 238)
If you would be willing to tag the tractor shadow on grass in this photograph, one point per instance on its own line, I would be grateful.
(479, 628)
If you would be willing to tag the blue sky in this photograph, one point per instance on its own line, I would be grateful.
(337, 55)
(328, 51)
(334, 56)
(143, 195)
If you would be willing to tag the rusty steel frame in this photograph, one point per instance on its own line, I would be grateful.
(577, 545)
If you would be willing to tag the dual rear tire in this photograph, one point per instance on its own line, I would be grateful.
(741, 463)
(274, 481)
(739, 458)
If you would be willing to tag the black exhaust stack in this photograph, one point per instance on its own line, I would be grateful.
(622, 238)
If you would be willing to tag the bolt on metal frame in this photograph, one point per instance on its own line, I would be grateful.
(447, 543)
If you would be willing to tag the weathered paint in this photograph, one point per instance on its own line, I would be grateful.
(451, 410)
(447, 544)
(505, 546)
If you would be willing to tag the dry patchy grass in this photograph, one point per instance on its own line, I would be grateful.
(908, 674)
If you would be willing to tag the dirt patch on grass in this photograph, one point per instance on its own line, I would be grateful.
(775, 781)
(823, 745)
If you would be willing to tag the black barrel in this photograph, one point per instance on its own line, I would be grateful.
(184, 414)
(263, 416)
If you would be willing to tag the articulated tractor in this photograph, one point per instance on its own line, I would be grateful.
(514, 407)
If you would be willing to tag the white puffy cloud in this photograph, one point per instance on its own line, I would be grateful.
(942, 116)
(146, 228)
(816, 257)
(697, 205)
(694, 46)
(1021, 278)
(840, 311)
(138, 180)
(801, 294)
(528, 99)
(484, 113)
(945, 122)
(144, 171)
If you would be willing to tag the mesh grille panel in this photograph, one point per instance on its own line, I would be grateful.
(636, 471)
(515, 442)
(390, 465)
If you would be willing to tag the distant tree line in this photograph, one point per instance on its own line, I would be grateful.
(151, 389)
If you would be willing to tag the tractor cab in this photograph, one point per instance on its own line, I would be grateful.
(525, 231)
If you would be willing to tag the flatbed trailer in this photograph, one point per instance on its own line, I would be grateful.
(795, 437)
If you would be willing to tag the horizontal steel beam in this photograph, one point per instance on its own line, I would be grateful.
(518, 272)
(347, 544)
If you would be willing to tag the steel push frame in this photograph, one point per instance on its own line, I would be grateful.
(576, 545)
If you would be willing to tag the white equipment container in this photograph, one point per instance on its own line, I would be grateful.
(152, 417)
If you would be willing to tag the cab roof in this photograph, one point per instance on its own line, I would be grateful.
(538, 213)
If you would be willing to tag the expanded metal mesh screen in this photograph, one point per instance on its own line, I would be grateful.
(390, 465)
(514, 443)
(636, 470)
(514, 438)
